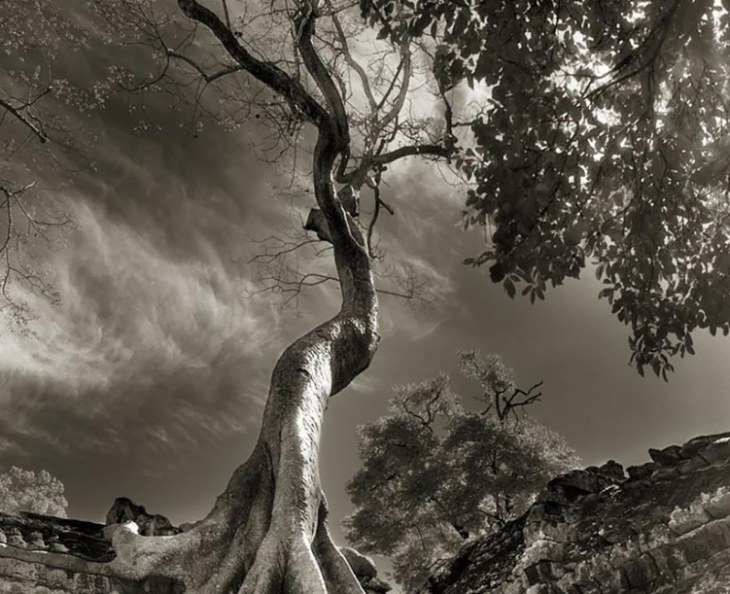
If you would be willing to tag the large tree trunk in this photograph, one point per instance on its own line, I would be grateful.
(268, 531)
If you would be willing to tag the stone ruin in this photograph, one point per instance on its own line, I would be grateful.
(663, 529)
(47, 555)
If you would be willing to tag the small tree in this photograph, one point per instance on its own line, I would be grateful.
(27, 491)
(434, 474)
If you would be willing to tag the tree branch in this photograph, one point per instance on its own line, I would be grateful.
(267, 73)
(365, 81)
(423, 150)
(207, 77)
(16, 112)
(337, 118)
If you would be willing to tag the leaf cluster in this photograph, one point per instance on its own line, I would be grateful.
(602, 143)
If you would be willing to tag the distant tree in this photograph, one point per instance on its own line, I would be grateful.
(27, 491)
(435, 474)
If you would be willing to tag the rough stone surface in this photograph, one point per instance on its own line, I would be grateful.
(45, 540)
(126, 510)
(663, 530)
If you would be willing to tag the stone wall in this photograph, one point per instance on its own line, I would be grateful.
(46, 555)
(664, 529)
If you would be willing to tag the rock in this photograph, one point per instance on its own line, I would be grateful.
(669, 456)
(55, 546)
(362, 566)
(698, 444)
(642, 471)
(375, 585)
(156, 525)
(613, 470)
(188, 526)
(3, 538)
(126, 510)
(15, 538)
(570, 487)
(58, 547)
(35, 541)
(717, 451)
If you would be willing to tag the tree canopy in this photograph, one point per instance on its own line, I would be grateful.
(602, 142)
(436, 473)
(29, 491)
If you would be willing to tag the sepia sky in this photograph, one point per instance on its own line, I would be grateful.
(149, 380)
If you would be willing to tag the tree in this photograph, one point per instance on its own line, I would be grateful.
(39, 147)
(27, 491)
(586, 150)
(435, 474)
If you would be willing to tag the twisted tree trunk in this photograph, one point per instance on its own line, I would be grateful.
(268, 531)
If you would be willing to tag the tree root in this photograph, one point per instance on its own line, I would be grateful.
(242, 546)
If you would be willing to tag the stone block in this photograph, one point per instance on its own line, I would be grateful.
(641, 572)
(691, 465)
(543, 550)
(670, 562)
(718, 451)
(669, 456)
(643, 471)
(682, 521)
(19, 570)
(717, 504)
(704, 542)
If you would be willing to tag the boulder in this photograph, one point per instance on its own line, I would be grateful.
(669, 456)
(125, 510)
(35, 541)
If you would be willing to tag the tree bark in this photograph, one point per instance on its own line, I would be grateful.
(268, 531)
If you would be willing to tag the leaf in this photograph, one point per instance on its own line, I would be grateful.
(509, 287)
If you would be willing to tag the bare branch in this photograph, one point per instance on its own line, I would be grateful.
(345, 48)
(423, 150)
(267, 73)
(16, 112)
(207, 77)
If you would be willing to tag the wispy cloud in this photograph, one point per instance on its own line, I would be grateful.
(144, 333)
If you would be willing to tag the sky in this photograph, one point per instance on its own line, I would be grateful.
(149, 380)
